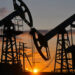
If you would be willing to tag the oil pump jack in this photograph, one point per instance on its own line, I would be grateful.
(63, 46)
(9, 47)
(10, 55)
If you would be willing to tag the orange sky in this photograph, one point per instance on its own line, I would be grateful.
(40, 64)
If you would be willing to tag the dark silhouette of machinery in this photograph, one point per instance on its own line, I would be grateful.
(63, 46)
(9, 47)
(11, 54)
(22, 53)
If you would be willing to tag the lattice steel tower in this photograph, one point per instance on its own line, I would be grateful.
(9, 48)
(62, 59)
(10, 53)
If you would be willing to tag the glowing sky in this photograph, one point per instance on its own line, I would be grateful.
(46, 14)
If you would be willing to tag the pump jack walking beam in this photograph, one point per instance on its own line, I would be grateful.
(60, 27)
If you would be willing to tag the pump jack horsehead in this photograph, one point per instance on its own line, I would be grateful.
(20, 9)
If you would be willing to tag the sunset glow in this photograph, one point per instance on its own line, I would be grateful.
(35, 70)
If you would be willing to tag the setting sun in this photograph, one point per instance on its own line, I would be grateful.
(35, 70)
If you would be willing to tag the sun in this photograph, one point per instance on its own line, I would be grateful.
(35, 70)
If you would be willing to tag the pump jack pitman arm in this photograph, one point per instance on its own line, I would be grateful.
(20, 10)
(43, 40)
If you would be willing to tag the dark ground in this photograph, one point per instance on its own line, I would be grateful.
(6, 69)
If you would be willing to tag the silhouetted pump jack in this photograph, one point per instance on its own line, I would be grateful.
(10, 62)
(42, 41)
(9, 46)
